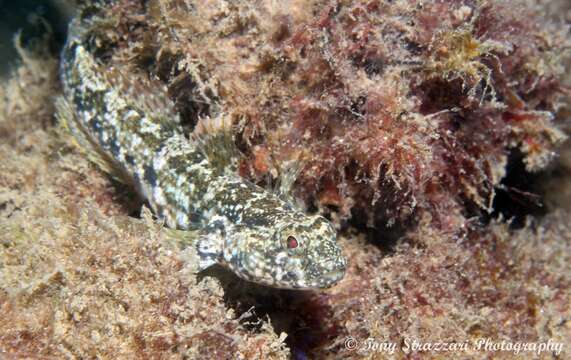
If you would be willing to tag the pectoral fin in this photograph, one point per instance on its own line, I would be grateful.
(204, 248)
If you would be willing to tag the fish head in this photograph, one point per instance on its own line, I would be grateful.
(297, 252)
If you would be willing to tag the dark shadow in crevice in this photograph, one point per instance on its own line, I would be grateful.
(36, 20)
(519, 194)
(383, 234)
(386, 237)
(129, 200)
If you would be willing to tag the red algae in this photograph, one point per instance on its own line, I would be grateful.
(394, 109)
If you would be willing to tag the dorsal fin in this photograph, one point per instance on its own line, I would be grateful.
(288, 173)
(215, 137)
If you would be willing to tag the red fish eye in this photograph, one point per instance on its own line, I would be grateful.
(292, 242)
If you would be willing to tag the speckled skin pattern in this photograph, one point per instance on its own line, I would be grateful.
(235, 223)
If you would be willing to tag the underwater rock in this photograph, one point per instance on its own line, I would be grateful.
(404, 115)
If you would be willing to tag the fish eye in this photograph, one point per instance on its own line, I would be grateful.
(292, 242)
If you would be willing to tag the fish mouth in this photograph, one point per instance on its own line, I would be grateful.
(337, 274)
(332, 277)
(324, 281)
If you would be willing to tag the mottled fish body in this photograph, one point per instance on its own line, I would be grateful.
(137, 135)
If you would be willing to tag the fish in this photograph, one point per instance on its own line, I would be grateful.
(131, 130)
